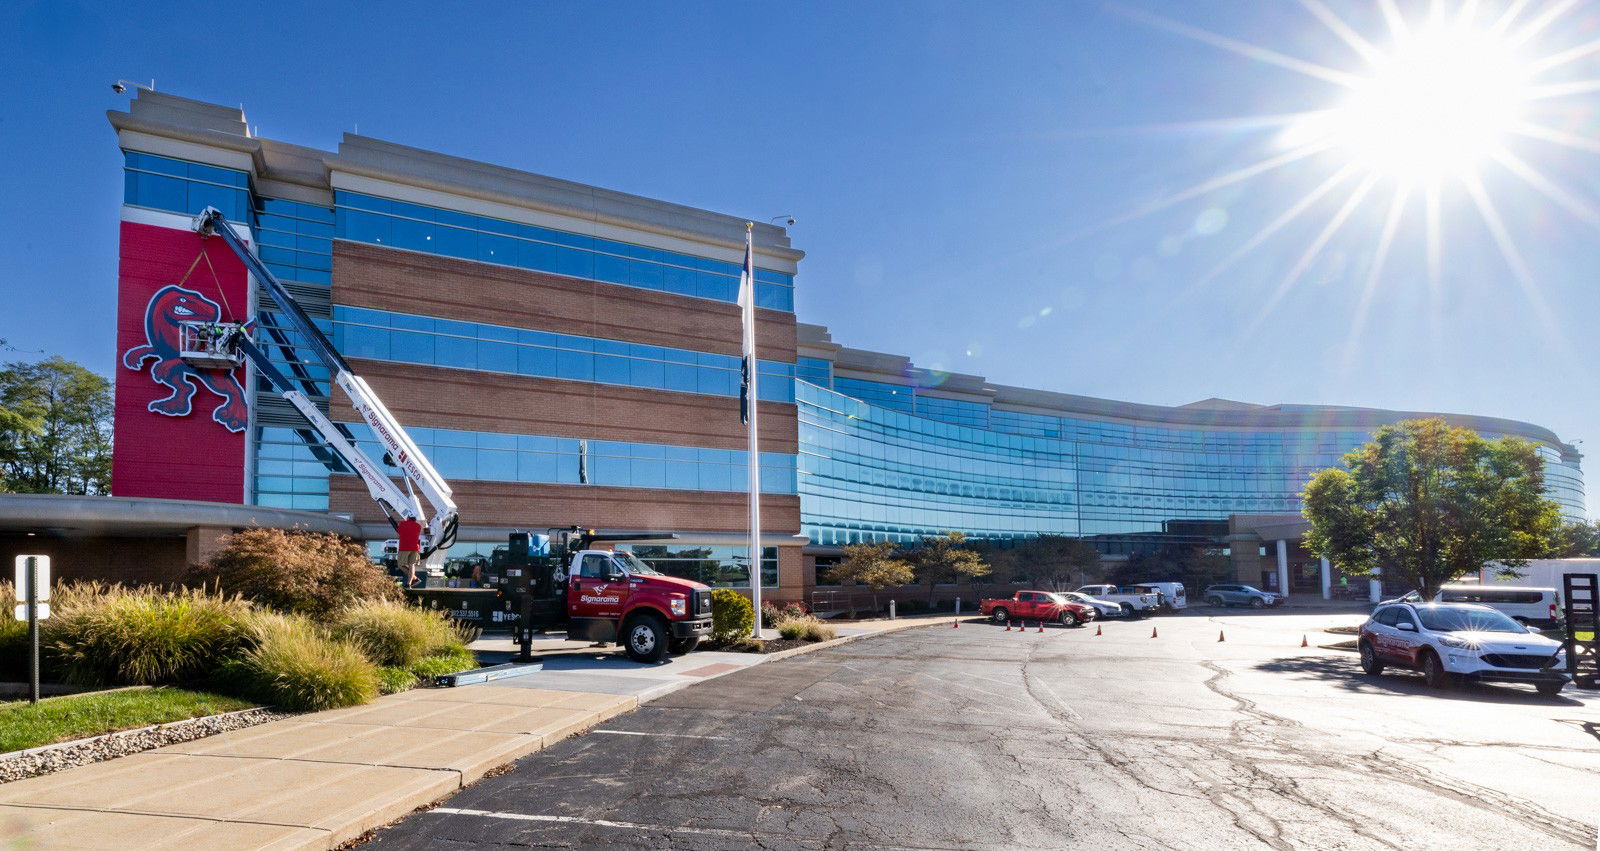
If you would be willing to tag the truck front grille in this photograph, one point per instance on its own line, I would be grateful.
(1518, 660)
(702, 602)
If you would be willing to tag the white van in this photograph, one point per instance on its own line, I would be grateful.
(1529, 606)
(1171, 594)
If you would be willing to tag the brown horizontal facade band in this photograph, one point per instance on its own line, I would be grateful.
(441, 397)
(539, 506)
(444, 287)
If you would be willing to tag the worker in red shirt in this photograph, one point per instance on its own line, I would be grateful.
(410, 549)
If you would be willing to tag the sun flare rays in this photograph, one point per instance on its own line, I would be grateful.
(1439, 109)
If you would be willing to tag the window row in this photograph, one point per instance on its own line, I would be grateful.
(381, 221)
(486, 456)
(380, 335)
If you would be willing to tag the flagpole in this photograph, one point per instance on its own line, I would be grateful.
(754, 459)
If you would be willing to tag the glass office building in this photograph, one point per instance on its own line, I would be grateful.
(888, 451)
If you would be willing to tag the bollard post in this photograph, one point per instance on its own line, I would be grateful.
(958, 607)
(891, 610)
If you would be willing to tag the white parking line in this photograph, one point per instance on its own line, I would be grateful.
(624, 825)
(670, 735)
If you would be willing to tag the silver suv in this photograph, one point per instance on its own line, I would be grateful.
(1240, 595)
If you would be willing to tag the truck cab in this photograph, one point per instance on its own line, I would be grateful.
(568, 579)
(614, 596)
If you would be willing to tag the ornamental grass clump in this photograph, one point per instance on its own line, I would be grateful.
(112, 635)
(806, 628)
(396, 634)
(290, 663)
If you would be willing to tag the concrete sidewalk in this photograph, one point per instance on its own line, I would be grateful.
(321, 779)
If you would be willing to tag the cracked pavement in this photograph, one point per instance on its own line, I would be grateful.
(981, 738)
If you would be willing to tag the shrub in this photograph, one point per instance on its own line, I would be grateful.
(392, 679)
(773, 616)
(806, 628)
(444, 663)
(732, 616)
(291, 664)
(141, 636)
(818, 631)
(396, 634)
(296, 572)
(13, 641)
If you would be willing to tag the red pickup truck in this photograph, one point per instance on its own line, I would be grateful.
(1037, 606)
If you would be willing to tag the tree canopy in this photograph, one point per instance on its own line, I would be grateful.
(946, 558)
(1428, 502)
(55, 428)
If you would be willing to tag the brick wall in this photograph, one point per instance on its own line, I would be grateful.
(422, 284)
(130, 561)
(544, 506)
(439, 397)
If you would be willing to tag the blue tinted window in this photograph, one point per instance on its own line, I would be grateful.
(363, 218)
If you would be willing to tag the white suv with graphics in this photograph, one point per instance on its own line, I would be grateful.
(1453, 641)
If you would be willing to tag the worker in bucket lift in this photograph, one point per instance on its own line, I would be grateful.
(409, 553)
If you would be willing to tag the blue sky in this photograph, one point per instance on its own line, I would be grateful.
(964, 180)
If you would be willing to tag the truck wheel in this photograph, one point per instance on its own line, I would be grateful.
(1128, 611)
(1000, 615)
(1214, 601)
(680, 646)
(1369, 660)
(1257, 603)
(645, 638)
(1070, 619)
(1549, 689)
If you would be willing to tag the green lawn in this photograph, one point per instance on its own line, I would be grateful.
(60, 719)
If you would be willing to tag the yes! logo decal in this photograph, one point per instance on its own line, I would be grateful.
(168, 307)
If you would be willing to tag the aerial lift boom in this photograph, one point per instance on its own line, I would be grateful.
(231, 343)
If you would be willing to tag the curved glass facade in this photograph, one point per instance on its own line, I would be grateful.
(871, 473)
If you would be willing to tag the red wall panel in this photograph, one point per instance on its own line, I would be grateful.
(179, 431)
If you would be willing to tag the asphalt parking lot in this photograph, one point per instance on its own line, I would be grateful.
(981, 738)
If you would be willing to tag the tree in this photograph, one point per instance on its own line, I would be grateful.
(1428, 502)
(55, 428)
(1577, 540)
(946, 558)
(877, 566)
(1055, 562)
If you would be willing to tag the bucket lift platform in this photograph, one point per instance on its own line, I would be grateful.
(209, 345)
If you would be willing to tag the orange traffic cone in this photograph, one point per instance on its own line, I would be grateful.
(1303, 642)
(955, 624)
(1153, 632)
(1041, 626)
(1096, 629)
(1008, 626)
(1220, 636)
(1022, 626)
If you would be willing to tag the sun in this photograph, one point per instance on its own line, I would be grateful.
(1443, 105)
(1437, 103)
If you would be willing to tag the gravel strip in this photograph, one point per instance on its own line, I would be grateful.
(52, 758)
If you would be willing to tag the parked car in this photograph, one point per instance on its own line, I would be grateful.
(1530, 606)
(1133, 601)
(1169, 595)
(1456, 641)
(1037, 606)
(1240, 595)
(1105, 608)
